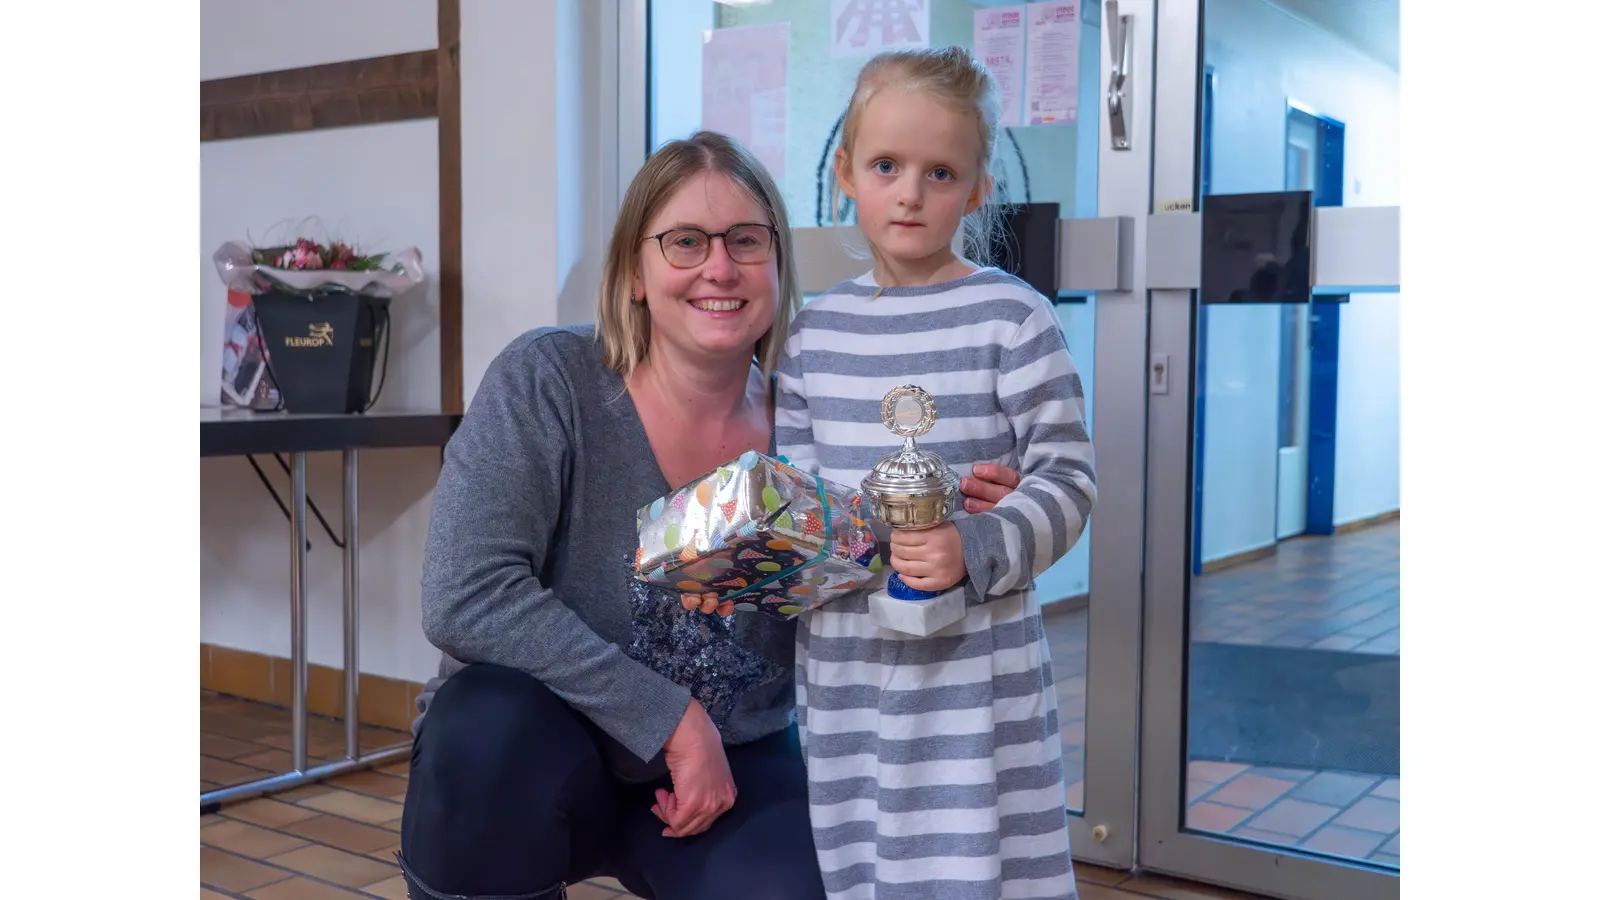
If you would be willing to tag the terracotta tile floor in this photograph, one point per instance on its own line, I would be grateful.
(1338, 593)
(338, 839)
(1326, 593)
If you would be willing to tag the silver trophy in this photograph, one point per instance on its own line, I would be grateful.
(912, 489)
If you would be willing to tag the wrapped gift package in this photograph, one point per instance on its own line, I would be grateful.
(760, 532)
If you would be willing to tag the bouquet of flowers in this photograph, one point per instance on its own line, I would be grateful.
(307, 254)
(306, 267)
(299, 292)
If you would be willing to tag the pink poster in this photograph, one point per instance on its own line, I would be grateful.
(1052, 69)
(745, 89)
(997, 34)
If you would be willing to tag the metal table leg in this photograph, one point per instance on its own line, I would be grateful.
(297, 610)
(211, 801)
(352, 607)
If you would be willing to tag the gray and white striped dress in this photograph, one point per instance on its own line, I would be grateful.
(935, 763)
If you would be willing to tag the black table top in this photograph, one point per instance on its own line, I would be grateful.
(234, 432)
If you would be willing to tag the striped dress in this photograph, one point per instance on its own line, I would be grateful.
(935, 763)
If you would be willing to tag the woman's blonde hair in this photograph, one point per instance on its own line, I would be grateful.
(622, 326)
(953, 77)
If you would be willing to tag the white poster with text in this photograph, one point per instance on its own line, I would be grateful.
(869, 27)
(745, 89)
(1052, 67)
(997, 42)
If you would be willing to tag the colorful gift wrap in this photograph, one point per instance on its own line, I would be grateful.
(761, 533)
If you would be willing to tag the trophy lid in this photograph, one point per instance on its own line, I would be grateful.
(909, 411)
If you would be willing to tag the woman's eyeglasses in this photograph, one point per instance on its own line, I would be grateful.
(686, 248)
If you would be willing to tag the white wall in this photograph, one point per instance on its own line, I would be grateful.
(1265, 58)
(527, 171)
(1366, 471)
(239, 38)
(531, 115)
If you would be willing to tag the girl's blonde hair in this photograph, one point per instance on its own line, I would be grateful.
(953, 77)
(622, 326)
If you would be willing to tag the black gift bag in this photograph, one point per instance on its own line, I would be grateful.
(322, 349)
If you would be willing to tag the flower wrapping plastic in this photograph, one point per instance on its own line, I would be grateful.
(238, 269)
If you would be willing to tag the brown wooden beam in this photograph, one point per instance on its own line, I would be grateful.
(451, 383)
(358, 92)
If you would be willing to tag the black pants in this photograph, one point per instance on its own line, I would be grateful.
(510, 797)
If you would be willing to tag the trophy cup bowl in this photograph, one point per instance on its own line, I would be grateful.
(912, 489)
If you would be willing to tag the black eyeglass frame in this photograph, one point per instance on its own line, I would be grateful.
(772, 242)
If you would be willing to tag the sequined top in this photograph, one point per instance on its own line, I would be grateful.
(530, 550)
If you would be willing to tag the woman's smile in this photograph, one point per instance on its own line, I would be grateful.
(719, 307)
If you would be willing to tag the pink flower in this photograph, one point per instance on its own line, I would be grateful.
(308, 255)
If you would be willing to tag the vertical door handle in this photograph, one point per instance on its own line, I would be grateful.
(1117, 28)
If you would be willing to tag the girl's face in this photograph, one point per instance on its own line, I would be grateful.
(913, 174)
(709, 297)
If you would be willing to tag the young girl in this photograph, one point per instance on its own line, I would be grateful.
(935, 763)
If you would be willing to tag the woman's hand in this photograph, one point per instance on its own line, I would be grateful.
(702, 785)
(988, 485)
(707, 603)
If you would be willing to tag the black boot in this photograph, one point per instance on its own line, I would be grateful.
(416, 890)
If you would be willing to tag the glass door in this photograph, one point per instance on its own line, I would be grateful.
(778, 75)
(1270, 755)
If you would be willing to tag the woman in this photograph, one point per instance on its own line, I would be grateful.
(582, 723)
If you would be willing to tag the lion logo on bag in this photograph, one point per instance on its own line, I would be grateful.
(318, 334)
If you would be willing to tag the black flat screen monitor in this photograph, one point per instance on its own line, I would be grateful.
(1256, 248)
(1025, 244)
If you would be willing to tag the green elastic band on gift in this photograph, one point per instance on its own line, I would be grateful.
(825, 550)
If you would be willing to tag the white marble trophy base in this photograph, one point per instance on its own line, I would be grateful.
(918, 617)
